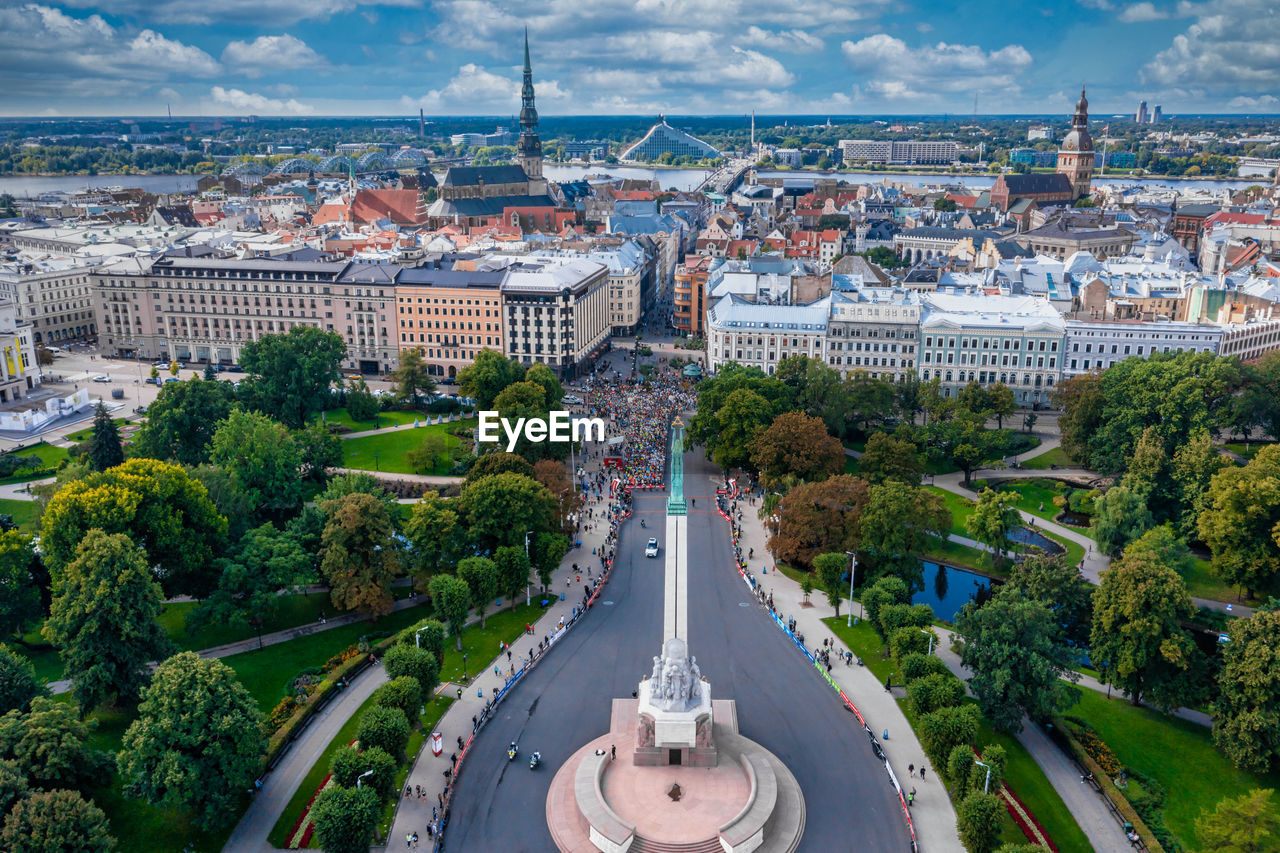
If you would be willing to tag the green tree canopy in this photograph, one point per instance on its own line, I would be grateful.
(1059, 587)
(1249, 823)
(51, 821)
(481, 577)
(434, 535)
(486, 376)
(181, 422)
(51, 746)
(290, 374)
(500, 509)
(18, 681)
(994, 515)
(263, 460)
(361, 404)
(1241, 522)
(345, 818)
(360, 558)
(422, 665)
(452, 599)
(105, 619)
(104, 449)
(19, 592)
(197, 742)
(897, 525)
(350, 764)
(889, 458)
(1246, 720)
(412, 377)
(385, 728)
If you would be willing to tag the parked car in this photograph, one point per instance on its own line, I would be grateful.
(234, 368)
(651, 550)
(172, 379)
(142, 410)
(102, 377)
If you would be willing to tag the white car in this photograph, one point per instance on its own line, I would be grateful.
(651, 550)
(573, 399)
(101, 378)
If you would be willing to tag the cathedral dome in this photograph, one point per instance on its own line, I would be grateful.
(1077, 140)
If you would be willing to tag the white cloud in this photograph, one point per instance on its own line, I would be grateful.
(1232, 45)
(478, 90)
(1262, 103)
(793, 41)
(262, 12)
(1141, 12)
(241, 101)
(924, 27)
(898, 72)
(1096, 4)
(45, 52)
(271, 53)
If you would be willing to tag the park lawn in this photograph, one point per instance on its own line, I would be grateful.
(341, 417)
(951, 553)
(1075, 551)
(1032, 494)
(386, 452)
(859, 446)
(480, 645)
(1178, 754)
(294, 610)
(138, 825)
(43, 657)
(1248, 451)
(1057, 456)
(50, 457)
(1203, 582)
(1023, 774)
(960, 507)
(266, 673)
(84, 434)
(26, 514)
(850, 465)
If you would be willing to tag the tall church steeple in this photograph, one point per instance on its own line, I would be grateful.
(529, 148)
(1075, 157)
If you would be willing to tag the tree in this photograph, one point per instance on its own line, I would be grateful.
(51, 821)
(425, 458)
(966, 441)
(832, 569)
(485, 377)
(500, 509)
(1241, 520)
(19, 594)
(933, 691)
(818, 517)
(452, 599)
(1059, 587)
(552, 474)
(290, 374)
(262, 459)
(744, 415)
(361, 404)
(429, 636)
(345, 818)
(350, 764)
(1081, 401)
(401, 692)
(197, 742)
(885, 592)
(384, 728)
(269, 560)
(158, 505)
(51, 746)
(360, 559)
(978, 818)
(500, 462)
(796, 445)
(869, 400)
(549, 550)
(513, 567)
(1015, 650)
(421, 665)
(481, 576)
(944, 204)
(351, 483)
(13, 786)
(898, 523)
(994, 514)
(105, 619)
(318, 451)
(434, 535)
(1192, 471)
(412, 377)
(1249, 823)
(1001, 403)
(1246, 720)
(18, 681)
(1137, 638)
(44, 356)
(889, 458)
(541, 375)
(946, 728)
(104, 449)
(1120, 516)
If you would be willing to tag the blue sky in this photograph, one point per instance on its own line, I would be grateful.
(462, 57)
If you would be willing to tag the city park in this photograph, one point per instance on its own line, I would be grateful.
(272, 616)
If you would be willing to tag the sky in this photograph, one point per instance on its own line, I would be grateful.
(594, 57)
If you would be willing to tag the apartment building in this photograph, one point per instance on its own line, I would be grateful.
(19, 372)
(53, 295)
(874, 329)
(921, 151)
(449, 315)
(1098, 344)
(688, 311)
(205, 309)
(555, 311)
(760, 335)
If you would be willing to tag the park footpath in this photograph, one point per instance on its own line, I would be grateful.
(932, 813)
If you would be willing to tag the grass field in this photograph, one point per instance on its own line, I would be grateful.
(386, 452)
(83, 435)
(1247, 451)
(1032, 494)
(1203, 583)
(50, 457)
(341, 417)
(294, 610)
(1180, 755)
(955, 554)
(1022, 773)
(26, 514)
(960, 507)
(481, 645)
(1056, 456)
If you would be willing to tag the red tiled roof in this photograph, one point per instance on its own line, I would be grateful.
(399, 206)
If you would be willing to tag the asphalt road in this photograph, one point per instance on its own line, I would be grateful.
(782, 703)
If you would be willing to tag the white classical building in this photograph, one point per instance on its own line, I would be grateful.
(874, 329)
(760, 336)
(1094, 344)
(974, 337)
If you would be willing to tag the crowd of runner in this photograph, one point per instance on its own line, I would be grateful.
(640, 414)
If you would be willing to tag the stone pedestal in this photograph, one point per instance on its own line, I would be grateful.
(675, 737)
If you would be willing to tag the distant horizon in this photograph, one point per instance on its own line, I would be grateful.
(820, 118)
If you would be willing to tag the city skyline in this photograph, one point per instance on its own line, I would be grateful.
(464, 57)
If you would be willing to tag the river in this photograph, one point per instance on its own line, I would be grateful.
(25, 186)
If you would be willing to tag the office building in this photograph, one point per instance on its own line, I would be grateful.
(555, 311)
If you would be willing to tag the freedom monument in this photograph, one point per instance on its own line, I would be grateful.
(673, 775)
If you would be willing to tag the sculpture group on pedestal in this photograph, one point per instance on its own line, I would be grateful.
(676, 682)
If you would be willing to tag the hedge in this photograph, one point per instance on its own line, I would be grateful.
(1114, 794)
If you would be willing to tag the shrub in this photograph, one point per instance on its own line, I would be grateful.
(403, 693)
(946, 728)
(420, 664)
(888, 590)
(959, 763)
(994, 756)
(895, 616)
(978, 819)
(349, 763)
(935, 691)
(385, 728)
(906, 641)
(918, 665)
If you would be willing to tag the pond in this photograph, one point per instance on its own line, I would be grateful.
(1027, 536)
(947, 589)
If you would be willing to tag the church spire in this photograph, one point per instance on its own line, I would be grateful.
(529, 147)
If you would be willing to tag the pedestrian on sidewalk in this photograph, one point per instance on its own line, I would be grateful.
(911, 770)
(921, 772)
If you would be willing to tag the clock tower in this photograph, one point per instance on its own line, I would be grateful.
(1075, 157)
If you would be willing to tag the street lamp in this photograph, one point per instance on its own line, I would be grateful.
(464, 666)
(527, 582)
(930, 633)
(853, 567)
(360, 778)
(987, 783)
(417, 641)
